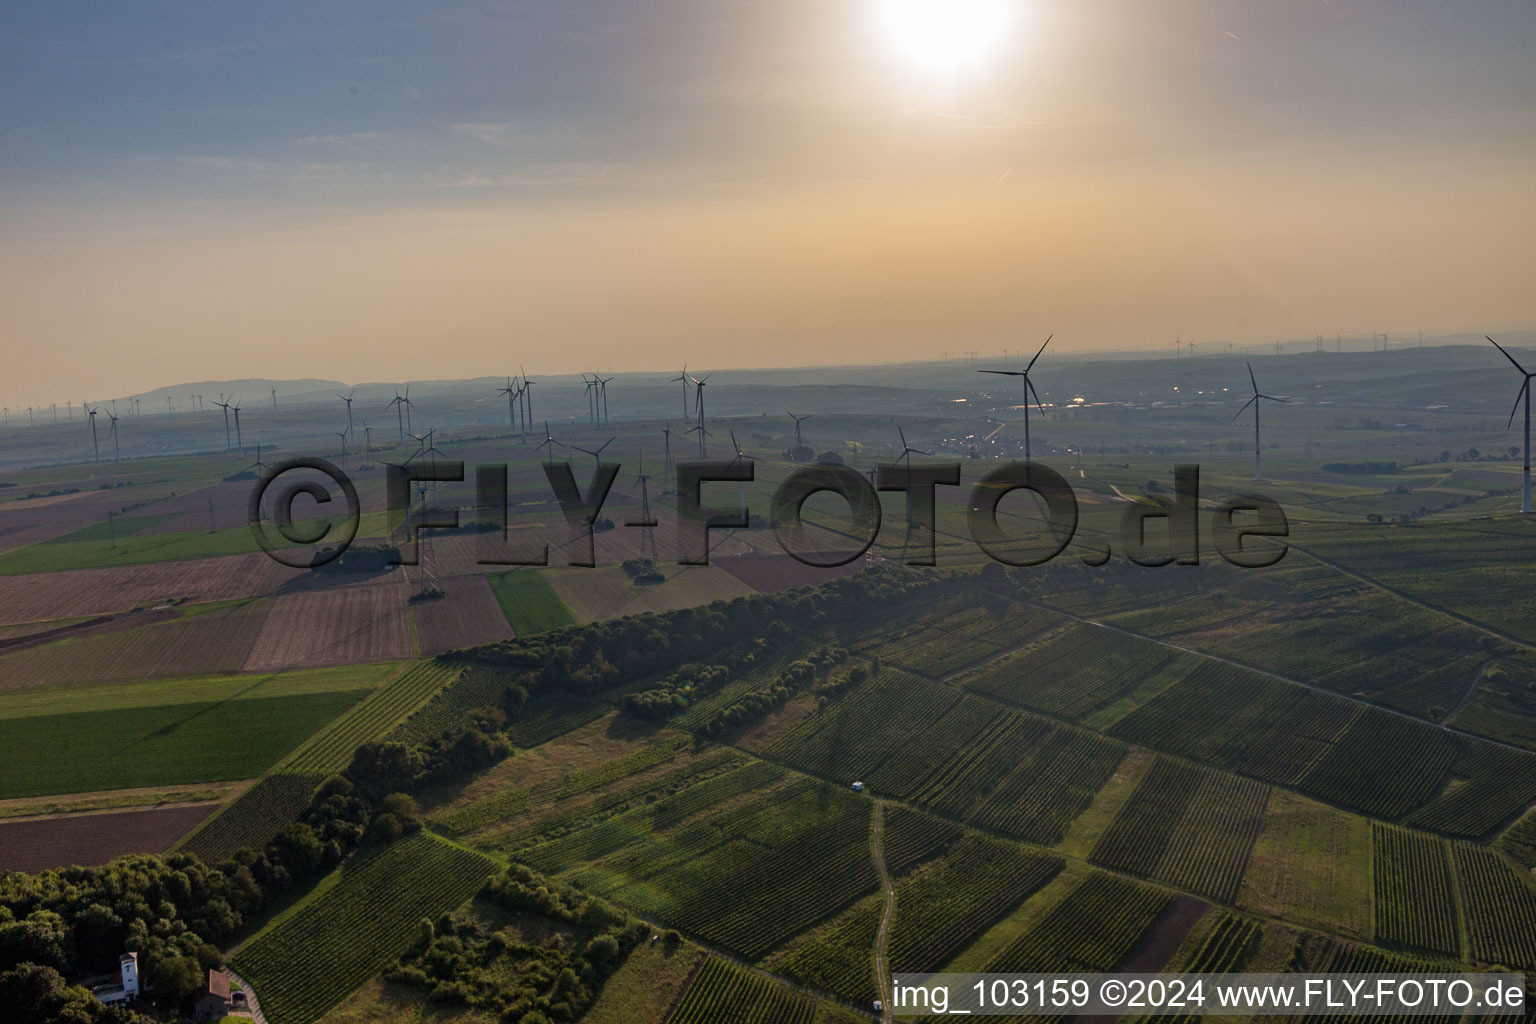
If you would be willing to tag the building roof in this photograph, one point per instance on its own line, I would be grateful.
(218, 985)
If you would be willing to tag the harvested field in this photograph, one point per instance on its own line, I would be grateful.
(344, 625)
(35, 844)
(37, 597)
(468, 615)
(205, 642)
(771, 574)
(605, 592)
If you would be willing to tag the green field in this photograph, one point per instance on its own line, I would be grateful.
(309, 960)
(92, 548)
(529, 602)
(160, 745)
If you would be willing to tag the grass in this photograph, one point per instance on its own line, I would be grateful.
(1312, 865)
(191, 690)
(160, 745)
(645, 985)
(91, 548)
(529, 602)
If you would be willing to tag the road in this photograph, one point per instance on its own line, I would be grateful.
(877, 854)
(251, 1002)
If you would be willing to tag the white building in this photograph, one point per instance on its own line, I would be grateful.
(128, 987)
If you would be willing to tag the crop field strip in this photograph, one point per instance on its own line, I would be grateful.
(1186, 826)
(1227, 947)
(486, 820)
(308, 962)
(1071, 672)
(254, 818)
(1090, 930)
(37, 844)
(723, 992)
(837, 957)
(866, 727)
(1414, 900)
(1495, 785)
(331, 749)
(949, 903)
(1363, 758)
(792, 862)
(203, 641)
(162, 745)
(1500, 906)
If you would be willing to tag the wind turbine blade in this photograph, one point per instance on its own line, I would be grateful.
(1272, 398)
(1005, 373)
(903, 434)
(1031, 365)
(1244, 409)
(1518, 395)
(1031, 385)
(1252, 380)
(1506, 354)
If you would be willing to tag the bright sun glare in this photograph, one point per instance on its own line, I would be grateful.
(946, 35)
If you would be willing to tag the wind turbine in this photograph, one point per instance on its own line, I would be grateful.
(549, 442)
(1254, 401)
(648, 539)
(798, 420)
(1524, 392)
(907, 451)
(528, 397)
(239, 441)
(117, 455)
(511, 394)
(399, 403)
(591, 383)
(225, 406)
(666, 440)
(741, 485)
(91, 415)
(274, 401)
(345, 398)
(699, 383)
(343, 435)
(1029, 388)
(602, 387)
(685, 379)
(367, 442)
(596, 455)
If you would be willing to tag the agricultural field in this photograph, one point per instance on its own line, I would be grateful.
(1311, 864)
(253, 818)
(1500, 907)
(722, 991)
(606, 591)
(170, 732)
(528, 602)
(344, 625)
(36, 844)
(69, 594)
(1188, 827)
(467, 614)
(1414, 901)
(200, 640)
(307, 961)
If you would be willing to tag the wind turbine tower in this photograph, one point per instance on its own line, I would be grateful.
(1523, 393)
(1029, 388)
(1254, 401)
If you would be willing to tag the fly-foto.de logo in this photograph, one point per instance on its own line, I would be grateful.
(1155, 531)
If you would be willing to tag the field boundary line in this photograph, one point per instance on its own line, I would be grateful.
(877, 855)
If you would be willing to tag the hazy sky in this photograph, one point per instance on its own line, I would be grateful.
(379, 191)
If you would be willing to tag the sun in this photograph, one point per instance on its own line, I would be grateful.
(946, 35)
